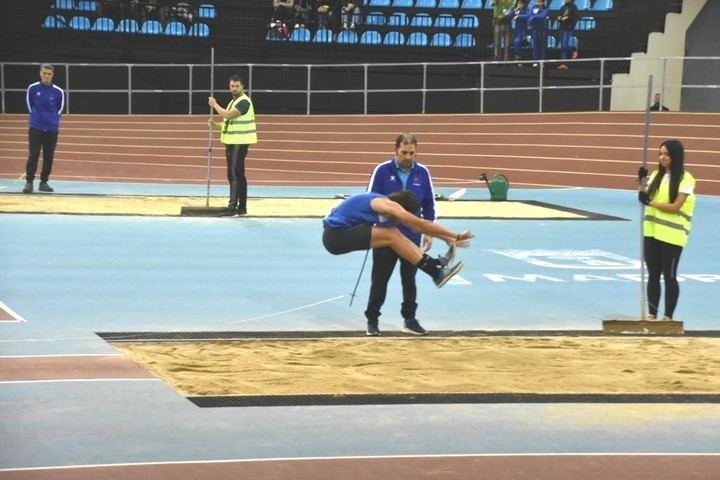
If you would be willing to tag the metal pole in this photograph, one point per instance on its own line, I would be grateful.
(309, 89)
(2, 85)
(602, 81)
(424, 86)
(67, 88)
(540, 85)
(482, 87)
(365, 89)
(210, 126)
(190, 88)
(643, 293)
(129, 89)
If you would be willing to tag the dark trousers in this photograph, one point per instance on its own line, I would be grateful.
(662, 258)
(384, 260)
(235, 155)
(37, 140)
(565, 36)
(539, 44)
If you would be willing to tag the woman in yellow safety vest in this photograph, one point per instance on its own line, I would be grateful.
(670, 202)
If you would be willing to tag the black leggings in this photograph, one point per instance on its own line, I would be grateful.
(235, 155)
(662, 258)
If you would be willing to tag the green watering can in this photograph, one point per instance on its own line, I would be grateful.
(498, 186)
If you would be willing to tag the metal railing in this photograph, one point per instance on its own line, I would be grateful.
(593, 77)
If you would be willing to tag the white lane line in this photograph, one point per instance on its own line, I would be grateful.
(12, 313)
(71, 380)
(368, 457)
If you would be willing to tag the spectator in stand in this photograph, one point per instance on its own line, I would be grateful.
(182, 12)
(326, 10)
(303, 12)
(537, 21)
(566, 20)
(501, 28)
(350, 14)
(520, 16)
(283, 10)
(658, 106)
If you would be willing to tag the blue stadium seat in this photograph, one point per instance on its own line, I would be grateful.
(398, 19)
(444, 20)
(441, 40)
(379, 3)
(582, 5)
(323, 35)
(300, 34)
(347, 36)
(418, 39)
(206, 10)
(468, 21)
(465, 40)
(449, 4)
(151, 27)
(64, 5)
(556, 4)
(552, 42)
(403, 3)
(394, 38)
(371, 37)
(176, 29)
(602, 5)
(585, 23)
(472, 4)
(55, 21)
(375, 19)
(87, 5)
(80, 23)
(103, 24)
(421, 20)
(425, 4)
(199, 30)
(127, 25)
(574, 42)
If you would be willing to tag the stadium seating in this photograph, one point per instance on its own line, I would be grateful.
(347, 37)
(421, 20)
(176, 29)
(444, 20)
(371, 37)
(449, 4)
(402, 3)
(394, 38)
(398, 19)
(418, 39)
(55, 21)
(375, 19)
(206, 11)
(379, 3)
(127, 25)
(300, 34)
(441, 39)
(323, 35)
(472, 4)
(80, 23)
(585, 23)
(602, 5)
(64, 5)
(468, 21)
(582, 4)
(87, 5)
(151, 27)
(425, 4)
(103, 24)
(465, 40)
(199, 30)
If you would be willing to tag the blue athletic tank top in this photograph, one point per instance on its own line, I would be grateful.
(354, 211)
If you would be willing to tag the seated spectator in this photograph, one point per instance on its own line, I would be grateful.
(350, 14)
(183, 12)
(284, 10)
(658, 106)
(278, 30)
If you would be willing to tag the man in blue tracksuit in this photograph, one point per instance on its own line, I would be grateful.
(401, 172)
(537, 21)
(45, 103)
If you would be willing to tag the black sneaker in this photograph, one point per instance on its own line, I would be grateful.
(28, 187)
(412, 326)
(372, 329)
(446, 273)
(228, 212)
(44, 187)
(241, 213)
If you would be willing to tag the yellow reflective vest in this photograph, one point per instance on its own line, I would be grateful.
(672, 228)
(240, 130)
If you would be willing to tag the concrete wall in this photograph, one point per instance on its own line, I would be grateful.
(703, 41)
(629, 91)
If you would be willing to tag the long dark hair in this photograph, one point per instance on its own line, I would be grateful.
(676, 151)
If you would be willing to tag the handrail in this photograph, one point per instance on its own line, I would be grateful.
(364, 69)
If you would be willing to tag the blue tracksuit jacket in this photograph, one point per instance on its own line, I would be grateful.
(45, 104)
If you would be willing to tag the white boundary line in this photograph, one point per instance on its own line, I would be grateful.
(366, 457)
(64, 355)
(12, 313)
(85, 380)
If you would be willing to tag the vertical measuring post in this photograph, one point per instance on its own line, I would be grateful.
(643, 291)
(210, 127)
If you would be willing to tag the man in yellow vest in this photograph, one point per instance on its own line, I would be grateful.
(238, 132)
(670, 201)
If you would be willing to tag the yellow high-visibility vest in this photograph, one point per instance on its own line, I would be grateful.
(240, 130)
(672, 228)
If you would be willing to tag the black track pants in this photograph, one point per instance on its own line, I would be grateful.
(662, 258)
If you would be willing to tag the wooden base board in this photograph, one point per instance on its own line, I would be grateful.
(642, 326)
(202, 211)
